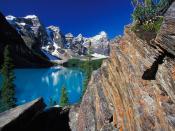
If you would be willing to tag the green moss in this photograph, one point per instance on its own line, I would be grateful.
(149, 26)
(153, 25)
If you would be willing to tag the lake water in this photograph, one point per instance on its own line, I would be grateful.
(47, 83)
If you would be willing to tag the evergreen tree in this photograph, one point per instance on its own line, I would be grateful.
(88, 65)
(90, 51)
(64, 100)
(8, 88)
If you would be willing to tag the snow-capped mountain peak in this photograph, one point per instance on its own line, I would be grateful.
(10, 17)
(54, 28)
(52, 39)
(80, 36)
(31, 17)
(55, 36)
(30, 28)
(69, 35)
(103, 34)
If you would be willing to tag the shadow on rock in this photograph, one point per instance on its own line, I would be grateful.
(52, 119)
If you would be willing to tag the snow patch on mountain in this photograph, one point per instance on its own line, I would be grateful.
(56, 37)
(69, 35)
(54, 28)
(10, 17)
(31, 17)
(101, 35)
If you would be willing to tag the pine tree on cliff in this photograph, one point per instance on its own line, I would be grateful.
(88, 64)
(64, 100)
(8, 88)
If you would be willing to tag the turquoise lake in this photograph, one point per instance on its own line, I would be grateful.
(47, 83)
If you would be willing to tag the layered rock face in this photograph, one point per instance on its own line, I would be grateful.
(166, 37)
(134, 90)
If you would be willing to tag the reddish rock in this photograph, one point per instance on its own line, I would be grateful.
(134, 90)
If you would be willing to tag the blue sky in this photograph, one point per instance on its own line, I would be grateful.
(88, 17)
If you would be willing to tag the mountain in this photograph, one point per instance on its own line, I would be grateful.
(56, 37)
(23, 56)
(52, 40)
(80, 44)
(31, 30)
(76, 44)
(100, 43)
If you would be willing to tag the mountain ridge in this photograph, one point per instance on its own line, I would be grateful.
(51, 38)
(22, 55)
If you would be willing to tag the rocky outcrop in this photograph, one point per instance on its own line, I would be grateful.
(18, 118)
(22, 55)
(134, 90)
(33, 116)
(51, 119)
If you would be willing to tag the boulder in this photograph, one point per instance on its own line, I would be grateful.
(18, 118)
(51, 119)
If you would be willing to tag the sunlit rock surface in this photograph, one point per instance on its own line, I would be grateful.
(135, 88)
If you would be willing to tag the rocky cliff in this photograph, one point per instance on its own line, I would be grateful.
(134, 90)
